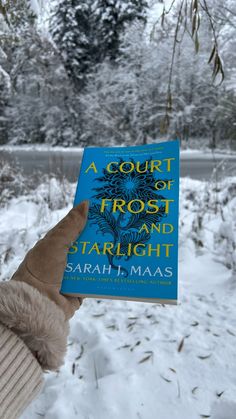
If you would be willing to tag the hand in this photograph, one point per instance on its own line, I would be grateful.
(44, 264)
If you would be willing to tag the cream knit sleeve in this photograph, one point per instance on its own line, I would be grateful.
(21, 377)
(33, 339)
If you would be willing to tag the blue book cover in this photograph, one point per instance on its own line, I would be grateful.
(129, 247)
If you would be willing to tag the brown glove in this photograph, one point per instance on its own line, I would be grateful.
(44, 264)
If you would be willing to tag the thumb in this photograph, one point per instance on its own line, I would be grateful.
(70, 227)
(47, 259)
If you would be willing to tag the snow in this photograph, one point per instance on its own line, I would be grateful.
(5, 81)
(39, 147)
(206, 154)
(138, 360)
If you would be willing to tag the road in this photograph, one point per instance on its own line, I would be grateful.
(68, 163)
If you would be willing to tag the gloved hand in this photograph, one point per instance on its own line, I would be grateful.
(44, 265)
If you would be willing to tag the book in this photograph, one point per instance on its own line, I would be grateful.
(129, 247)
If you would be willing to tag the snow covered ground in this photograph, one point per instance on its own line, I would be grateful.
(137, 360)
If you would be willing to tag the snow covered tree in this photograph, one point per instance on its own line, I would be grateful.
(87, 32)
(18, 13)
(102, 50)
(5, 92)
(41, 89)
(127, 102)
(122, 103)
(111, 18)
(71, 30)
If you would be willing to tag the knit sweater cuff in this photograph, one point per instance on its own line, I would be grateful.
(21, 376)
(37, 320)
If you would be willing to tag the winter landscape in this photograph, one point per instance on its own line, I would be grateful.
(139, 360)
(66, 82)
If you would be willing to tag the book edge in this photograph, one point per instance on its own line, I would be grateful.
(112, 297)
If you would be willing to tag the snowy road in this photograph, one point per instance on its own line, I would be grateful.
(197, 165)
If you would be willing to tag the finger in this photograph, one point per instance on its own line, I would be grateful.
(47, 259)
(70, 227)
(68, 304)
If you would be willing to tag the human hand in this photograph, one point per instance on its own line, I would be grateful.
(44, 265)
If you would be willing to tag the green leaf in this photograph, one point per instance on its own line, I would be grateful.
(194, 20)
(180, 347)
(196, 43)
(204, 357)
(212, 54)
(146, 358)
(163, 17)
(166, 379)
